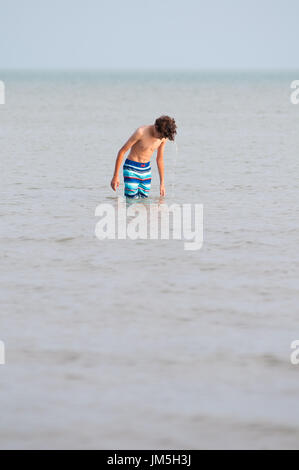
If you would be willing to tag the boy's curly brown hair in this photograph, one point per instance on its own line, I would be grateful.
(166, 127)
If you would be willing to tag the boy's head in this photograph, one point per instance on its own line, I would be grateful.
(166, 127)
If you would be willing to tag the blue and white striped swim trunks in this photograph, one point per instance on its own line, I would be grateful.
(137, 178)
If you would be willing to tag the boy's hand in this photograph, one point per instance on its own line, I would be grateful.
(162, 190)
(115, 183)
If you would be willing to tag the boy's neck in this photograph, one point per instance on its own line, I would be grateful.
(155, 133)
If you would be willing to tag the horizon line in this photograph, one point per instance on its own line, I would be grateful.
(149, 69)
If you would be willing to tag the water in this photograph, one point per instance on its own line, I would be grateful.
(141, 344)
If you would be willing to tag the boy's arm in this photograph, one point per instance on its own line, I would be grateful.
(132, 140)
(160, 164)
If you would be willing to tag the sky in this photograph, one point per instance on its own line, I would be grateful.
(133, 34)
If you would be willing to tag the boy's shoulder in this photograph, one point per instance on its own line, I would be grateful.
(140, 131)
(142, 128)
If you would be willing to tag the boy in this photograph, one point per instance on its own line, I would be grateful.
(137, 169)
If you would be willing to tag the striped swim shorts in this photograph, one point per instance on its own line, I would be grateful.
(137, 179)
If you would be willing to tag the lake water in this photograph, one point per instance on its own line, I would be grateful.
(142, 344)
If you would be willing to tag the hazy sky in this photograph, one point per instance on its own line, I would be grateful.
(149, 33)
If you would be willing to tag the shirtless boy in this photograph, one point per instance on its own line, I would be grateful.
(137, 167)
